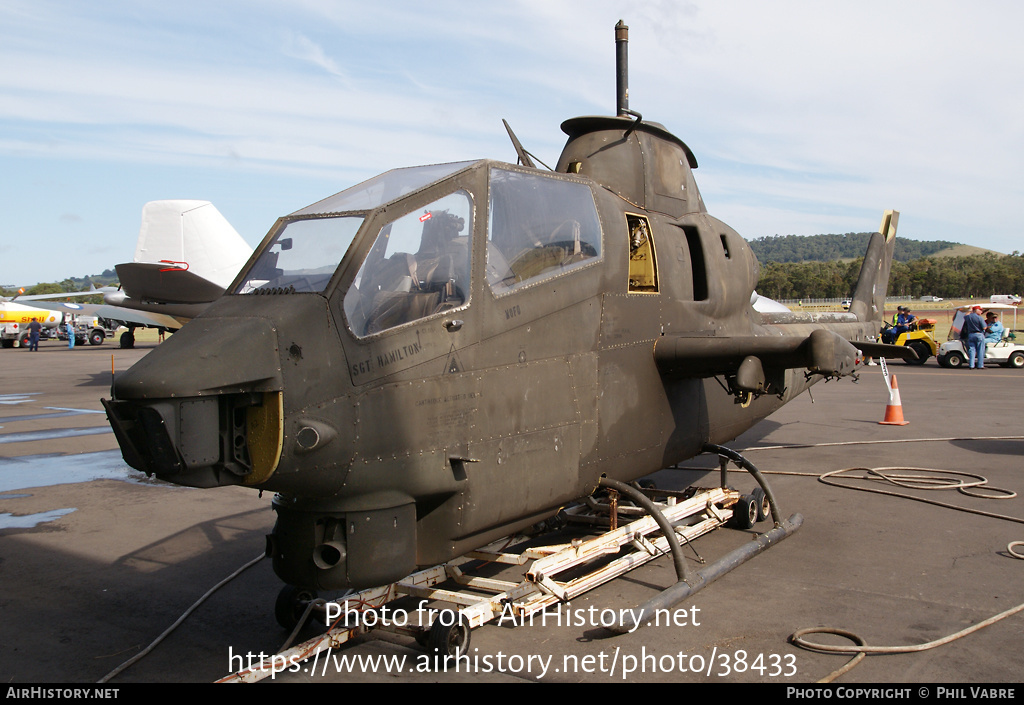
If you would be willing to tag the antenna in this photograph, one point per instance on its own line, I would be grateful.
(622, 69)
(524, 156)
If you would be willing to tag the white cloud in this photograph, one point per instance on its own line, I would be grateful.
(299, 46)
(808, 113)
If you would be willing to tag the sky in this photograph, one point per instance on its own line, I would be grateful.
(805, 117)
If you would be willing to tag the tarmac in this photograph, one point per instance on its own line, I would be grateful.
(97, 561)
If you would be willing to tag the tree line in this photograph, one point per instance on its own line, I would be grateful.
(979, 276)
(107, 278)
(825, 248)
(948, 277)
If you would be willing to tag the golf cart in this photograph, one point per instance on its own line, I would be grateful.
(1007, 352)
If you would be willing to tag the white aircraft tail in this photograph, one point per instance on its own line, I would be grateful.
(191, 235)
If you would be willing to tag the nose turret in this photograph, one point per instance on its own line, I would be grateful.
(197, 412)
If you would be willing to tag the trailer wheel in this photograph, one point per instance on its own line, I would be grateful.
(291, 603)
(744, 512)
(449, 634)
(764, 507)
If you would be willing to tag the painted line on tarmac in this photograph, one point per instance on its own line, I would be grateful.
(51, 434)
(61, 413)
(18, 398)
(80, 411)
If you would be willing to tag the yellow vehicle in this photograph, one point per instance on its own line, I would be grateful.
(920, 337)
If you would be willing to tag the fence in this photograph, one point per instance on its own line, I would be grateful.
(836, 302)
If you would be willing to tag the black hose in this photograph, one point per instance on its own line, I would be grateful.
(670, 535)
(749, 467)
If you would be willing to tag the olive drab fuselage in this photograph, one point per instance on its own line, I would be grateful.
(444, 355)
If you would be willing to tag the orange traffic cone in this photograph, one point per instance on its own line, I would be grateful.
(894, 409)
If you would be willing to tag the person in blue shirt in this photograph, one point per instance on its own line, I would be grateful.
(973, 336)
(902, 322)
(993, 328)
(35, 328)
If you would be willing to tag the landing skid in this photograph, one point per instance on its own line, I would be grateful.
(554, 573)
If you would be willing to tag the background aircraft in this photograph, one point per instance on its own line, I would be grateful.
(185, 256)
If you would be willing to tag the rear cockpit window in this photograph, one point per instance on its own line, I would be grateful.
(418, 266)
(302, 256)
(539, 227)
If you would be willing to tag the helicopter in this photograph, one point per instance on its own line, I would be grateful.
(446, 354)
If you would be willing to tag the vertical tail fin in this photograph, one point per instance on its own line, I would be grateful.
(873, 282)
(192, 235)
(187, 253)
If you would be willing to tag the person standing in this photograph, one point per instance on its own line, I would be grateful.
(34, 329)
(973, 336)
(70, 328)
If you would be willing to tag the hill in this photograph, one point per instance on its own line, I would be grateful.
(965, 251)
(828, 248)
(107, 278)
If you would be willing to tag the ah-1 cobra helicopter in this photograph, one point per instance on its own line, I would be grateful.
(443, 355)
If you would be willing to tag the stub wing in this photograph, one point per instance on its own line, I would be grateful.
(756, 364)
(753, 359)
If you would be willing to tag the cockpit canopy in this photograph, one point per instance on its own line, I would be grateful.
(306, 249)
(420, 260)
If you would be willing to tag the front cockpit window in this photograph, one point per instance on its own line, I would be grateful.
(539, 227)
(418, 266)
(302, 257)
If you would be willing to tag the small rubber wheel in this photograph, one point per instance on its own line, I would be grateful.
(1016, 360)
(449, 634)
(744, 512)
(291, 603)
(955, 360)
(764, 507)
(922, 350)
